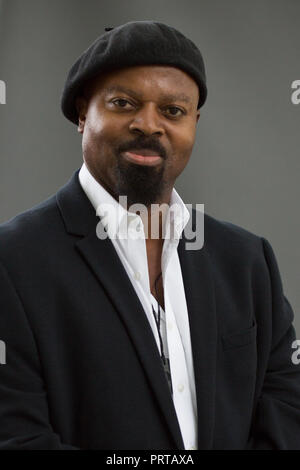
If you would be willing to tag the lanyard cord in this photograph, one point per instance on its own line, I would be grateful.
(157, 321)
(165, 361)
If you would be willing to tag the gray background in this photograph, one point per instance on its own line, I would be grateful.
(245, 163)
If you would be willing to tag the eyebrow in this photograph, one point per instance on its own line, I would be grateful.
(167, 97)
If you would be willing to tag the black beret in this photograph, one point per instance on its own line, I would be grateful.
(134, 43)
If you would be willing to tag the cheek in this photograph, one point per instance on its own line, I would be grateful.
(93, 145)
(183, 147)
(94, 125)
(100, 130)
(98, 141)
(95, 133)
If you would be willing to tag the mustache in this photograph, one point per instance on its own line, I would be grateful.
(140, 144)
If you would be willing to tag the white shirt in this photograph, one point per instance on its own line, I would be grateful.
(175, 330)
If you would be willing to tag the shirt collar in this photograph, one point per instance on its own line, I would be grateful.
(117, 220)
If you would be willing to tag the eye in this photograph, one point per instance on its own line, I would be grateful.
(175, 111)
(121, 102)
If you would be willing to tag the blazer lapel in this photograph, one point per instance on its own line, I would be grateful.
(80, 219)
(200, 295)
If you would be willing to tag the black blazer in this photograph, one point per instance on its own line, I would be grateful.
(82, 367)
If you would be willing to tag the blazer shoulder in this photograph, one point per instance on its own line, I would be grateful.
(29, 228)
(225, 236)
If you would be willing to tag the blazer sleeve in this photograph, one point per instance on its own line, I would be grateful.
(276, 421)
(24, 416)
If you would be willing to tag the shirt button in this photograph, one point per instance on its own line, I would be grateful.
(137, 276)
(180, 388)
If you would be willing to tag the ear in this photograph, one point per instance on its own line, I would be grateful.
(197, 116)
(81, 106)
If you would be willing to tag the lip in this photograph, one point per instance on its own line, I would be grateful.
(147, 160)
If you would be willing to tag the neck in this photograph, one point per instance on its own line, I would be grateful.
(154, 218)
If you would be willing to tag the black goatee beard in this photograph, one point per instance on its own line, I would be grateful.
(141, 184)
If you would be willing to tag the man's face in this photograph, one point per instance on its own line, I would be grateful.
(145, 110)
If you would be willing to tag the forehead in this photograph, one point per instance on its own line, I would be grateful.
(147, 80)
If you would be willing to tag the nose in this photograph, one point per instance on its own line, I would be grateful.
(147, 121)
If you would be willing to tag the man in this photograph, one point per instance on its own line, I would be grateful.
(120, 339)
